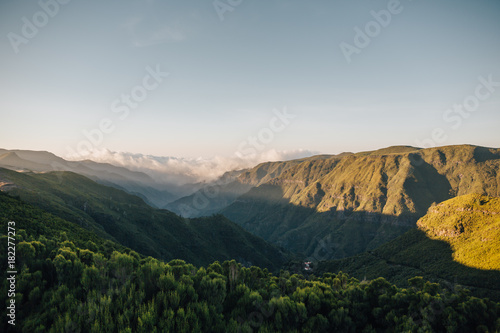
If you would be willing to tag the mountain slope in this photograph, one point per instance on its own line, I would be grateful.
(457, 242)
(359, 201)
(216, 196)
(127, 219)
(209, 199)
(37, 222)
(132, 181)
(13, 161)
(471, 225)
(70, 280)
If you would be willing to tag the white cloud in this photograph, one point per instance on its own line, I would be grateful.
(189, 170)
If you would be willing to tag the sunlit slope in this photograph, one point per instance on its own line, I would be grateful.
(359, 201)
(216, 196)
(471, 225)
(392, 181)
(456, 242)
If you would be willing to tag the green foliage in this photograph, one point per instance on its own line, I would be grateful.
(340, 206)
(73, 276)
(471, 225)
(456, 243)
(66, 287)
(126, 219)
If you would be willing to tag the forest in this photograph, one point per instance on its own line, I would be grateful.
(70, 280)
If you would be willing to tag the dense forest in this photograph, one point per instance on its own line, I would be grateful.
(126, 219)
(70, 280)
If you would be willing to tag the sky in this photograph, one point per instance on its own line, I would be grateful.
(204, 80)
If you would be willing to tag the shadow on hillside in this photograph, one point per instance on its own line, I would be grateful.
(427, 186)
(414, 254)
(316, 235)
(363, 244)
(482, 154)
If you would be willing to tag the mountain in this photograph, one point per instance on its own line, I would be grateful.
(215, 196)
(133, 182)
(471, 225)
(208, 200)
(13, 161)
(77, 269)
(456, 242)
(338, 206)
(118, 216)
(70, 280)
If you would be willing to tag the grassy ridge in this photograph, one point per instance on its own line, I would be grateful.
(352, 198)
(471, 225)
(128, 220)
(457, 242)
(204, 203)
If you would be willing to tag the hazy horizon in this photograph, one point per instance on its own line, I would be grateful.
(180, 170)
(247, 80)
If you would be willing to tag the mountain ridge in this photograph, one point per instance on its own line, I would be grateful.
(124, 218)
(105, 173)
(201, 203)
(384, 192)
(456, 242)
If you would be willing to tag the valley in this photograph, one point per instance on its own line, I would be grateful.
(395, 217)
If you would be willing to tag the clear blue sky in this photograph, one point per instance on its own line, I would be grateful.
(226, 76)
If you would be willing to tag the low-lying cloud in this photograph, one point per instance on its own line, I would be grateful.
(179, 171)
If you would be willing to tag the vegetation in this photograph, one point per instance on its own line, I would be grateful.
(350, 200)
(71, 280)
(471, 225)
(118, 216)
(92, 258)
(457, 242)
(229, 188)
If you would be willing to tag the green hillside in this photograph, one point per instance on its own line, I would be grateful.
(267, 171)
(70, 280)
(471, 225)
(457, 242)
(128, 220)
(214, 197)
(357, 202)
(119, 177)
(81, 252)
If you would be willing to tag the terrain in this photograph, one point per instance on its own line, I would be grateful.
(339, 206)
(70, 280)
(124, 218)
(153, 192)
(456, 243)
(219, 194)
(399, 239)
